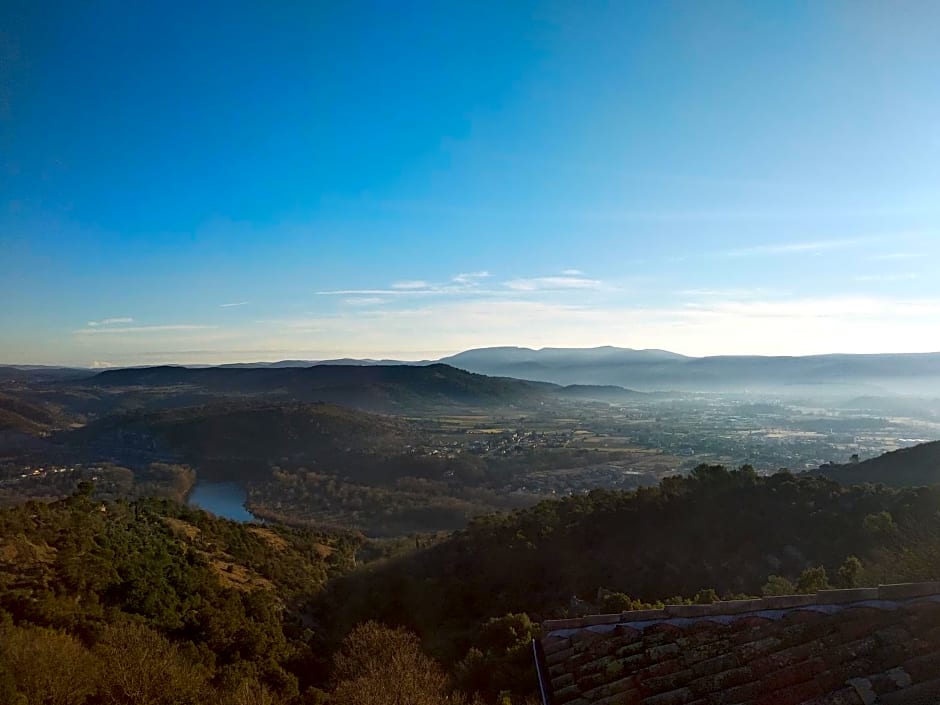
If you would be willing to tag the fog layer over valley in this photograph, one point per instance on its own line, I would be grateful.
(395, 449)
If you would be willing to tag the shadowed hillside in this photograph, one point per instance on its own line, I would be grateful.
(243, 430)
(716, 530)
(908, 467)
(385, 387)
(24, 417)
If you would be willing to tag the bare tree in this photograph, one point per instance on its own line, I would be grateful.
(378, 665)
(48, 666)
(141, 667)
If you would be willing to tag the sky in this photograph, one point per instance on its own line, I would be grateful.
(216, 182)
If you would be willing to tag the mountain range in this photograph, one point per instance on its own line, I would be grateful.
(660, 370)
(645, 370)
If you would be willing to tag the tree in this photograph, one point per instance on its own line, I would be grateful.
(881, 524)
(47, 666)
(379, 665)
(706, 597)
(612, 602)
(777, 585)
(710, 474)
(141, 667)
(251, 692)
(502, 657)
(849, 572)
(812, 580)
(8, 691)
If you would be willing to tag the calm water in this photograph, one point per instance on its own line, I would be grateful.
(225, 499)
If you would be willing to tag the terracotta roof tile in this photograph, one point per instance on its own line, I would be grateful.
(682, 696)
(927, 693)
(835, 648)
(722, 680)
(843, 696)
(738, 694)
(923, 667)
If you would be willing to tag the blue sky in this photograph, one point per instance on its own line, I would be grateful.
(235, 181)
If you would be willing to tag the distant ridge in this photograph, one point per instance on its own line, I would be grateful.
(377, 387)
(40, 373)
(660, 370)
(558, 358)
(311, 363)
(846, 376)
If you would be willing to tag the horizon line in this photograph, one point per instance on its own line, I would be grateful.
(384, 359)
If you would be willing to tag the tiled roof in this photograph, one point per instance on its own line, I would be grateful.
(837, 647)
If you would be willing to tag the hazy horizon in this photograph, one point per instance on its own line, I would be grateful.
(392, 359)
(230, 183)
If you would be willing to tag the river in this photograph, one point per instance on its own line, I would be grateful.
(224, 499)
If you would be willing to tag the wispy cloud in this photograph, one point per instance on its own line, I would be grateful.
(468, 285)
(139, 329)
(895, 256)
(379, 292)
(470, 277)
(463, 283)
(796, 248)
(111, 321)
(907, 276)
(846, 308)
(790, 326)
(233, 305)
(740, 293)
(552, 283)
(365, 301)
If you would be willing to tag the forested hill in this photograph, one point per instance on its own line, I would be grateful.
(247, 430)
(908, 467)
(201, 609)
(24, 417)
(11, 374)
(371, 387)
(720, 530)
(154, 602)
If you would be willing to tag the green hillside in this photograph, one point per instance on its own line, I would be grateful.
(222, 597)
(908, 467)
(717, 530)
(229, 608)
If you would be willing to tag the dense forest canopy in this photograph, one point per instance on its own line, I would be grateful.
(717, 532)
(907, 467)
(232, 608)
(220, 597)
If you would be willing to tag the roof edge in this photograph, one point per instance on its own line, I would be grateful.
(898, 591)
